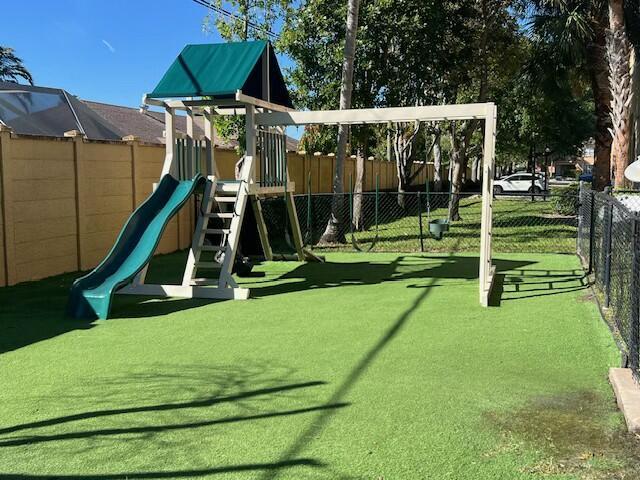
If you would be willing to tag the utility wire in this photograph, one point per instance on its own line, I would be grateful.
(233, 16)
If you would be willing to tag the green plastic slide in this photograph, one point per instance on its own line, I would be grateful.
(91, 295)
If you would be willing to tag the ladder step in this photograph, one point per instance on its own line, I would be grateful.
(220, 215)
(218, 231)
(213, 248)
(229, 199)
(228, 187)
(208, 265)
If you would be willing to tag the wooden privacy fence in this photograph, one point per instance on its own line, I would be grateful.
(63, 201)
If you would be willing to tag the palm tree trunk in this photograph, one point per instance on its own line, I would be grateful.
(599, 76)
(619, 56)
(333, 232)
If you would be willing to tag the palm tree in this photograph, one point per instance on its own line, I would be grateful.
(633, 31)
(333, 232)
(11, 67)
(576, 31)
(619, 56)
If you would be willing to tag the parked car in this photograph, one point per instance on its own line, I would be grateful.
(518, 182)
(586, 177)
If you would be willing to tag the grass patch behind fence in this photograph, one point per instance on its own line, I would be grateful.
(519, 225)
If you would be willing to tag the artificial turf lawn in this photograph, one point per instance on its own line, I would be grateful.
(369, 366)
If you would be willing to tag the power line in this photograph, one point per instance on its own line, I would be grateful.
(233, 16)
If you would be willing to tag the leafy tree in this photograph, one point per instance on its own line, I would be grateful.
(573, 34)
(11, 67)
(495, 41)
(243, 20)
(406, 49)
(542, 107)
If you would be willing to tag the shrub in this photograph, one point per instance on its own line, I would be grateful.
(566, 199)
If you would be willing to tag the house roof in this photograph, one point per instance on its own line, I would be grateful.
(220, 69)
(31, 110)
(149, 126)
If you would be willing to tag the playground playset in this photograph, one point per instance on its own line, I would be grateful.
(241, 78)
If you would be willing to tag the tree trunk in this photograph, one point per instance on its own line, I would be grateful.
(474, 169)
(619, 57)
(437, 161)
(455, 174)
(599, 76)
(456, 183)
(404, 140)
(333, 232)
(358, 187)
(459, 146)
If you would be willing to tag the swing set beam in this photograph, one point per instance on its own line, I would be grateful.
(433, 113)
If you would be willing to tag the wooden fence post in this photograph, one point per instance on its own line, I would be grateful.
(81, 194)
(134, 143)
(9, 265)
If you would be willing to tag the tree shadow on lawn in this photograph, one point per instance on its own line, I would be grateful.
(254, 392)
(34, 311)
(312, 276)
(192, 473)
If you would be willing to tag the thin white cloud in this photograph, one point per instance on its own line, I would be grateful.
(109, 46)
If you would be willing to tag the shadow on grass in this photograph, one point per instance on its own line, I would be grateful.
(34, 311)
(249, 467)
(419, 267)
(253, 391)
(530, 283)
(312, 276)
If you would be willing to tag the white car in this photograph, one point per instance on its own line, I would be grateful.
(518, 182)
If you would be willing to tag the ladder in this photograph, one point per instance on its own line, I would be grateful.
(225, 202)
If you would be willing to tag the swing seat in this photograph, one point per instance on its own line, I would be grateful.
(438, 227)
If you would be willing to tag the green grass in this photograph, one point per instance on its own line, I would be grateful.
(369, 366)
(519, 225)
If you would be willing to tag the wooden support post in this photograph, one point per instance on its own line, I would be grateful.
(134, 143)
(250, 134)
(295, 225)
(190, 160)
(9, 265)
(170, 166)
(209, 134)
(262, 228)
(81, 194)
(487, 270)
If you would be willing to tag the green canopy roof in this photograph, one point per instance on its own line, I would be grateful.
(219, 70)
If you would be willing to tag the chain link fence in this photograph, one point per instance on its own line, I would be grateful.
(390, 222)
(609, 246)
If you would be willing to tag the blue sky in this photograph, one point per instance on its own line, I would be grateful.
(111, 51)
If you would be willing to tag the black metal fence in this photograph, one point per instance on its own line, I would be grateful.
(609, 246)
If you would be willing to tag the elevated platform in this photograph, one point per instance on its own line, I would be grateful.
(231, 186)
